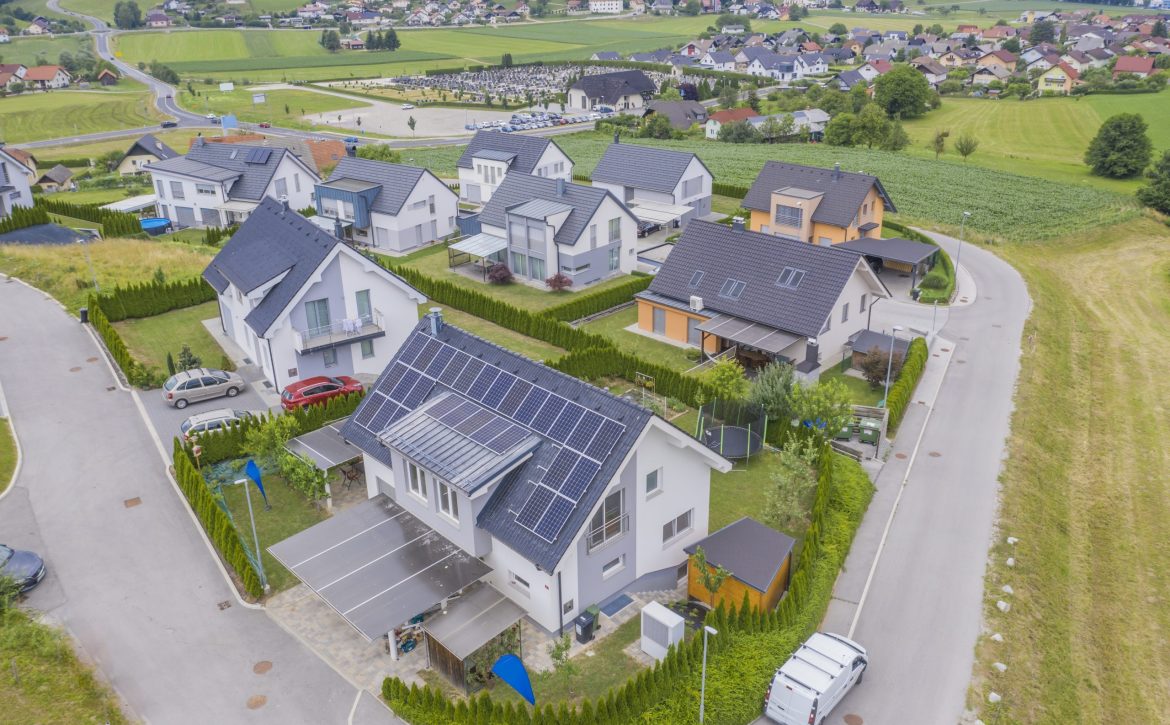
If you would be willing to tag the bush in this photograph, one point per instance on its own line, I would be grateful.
(935, 279)
(584, 304)
(152, 298)
(136, 373)
(558, 282)
(499, 274)
(902, 390)
(22, 217)
(112, 223)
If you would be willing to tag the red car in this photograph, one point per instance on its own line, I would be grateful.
(265, 124)
(313, 391)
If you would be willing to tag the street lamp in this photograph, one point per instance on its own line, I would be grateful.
(959, 255)
(703, 686)
(890, 364)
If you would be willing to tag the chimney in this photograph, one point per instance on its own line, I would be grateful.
(435, 316)
(284, 202)
(351, 150)
(338, 230)
(737, 224)
(836, 171)
(560, 187)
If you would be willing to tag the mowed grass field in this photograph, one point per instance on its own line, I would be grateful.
(36, 116)
(239, 102)
(1046, 137)
(1085, 489)
(28, 50)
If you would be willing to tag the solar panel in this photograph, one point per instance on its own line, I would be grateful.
(499, 388)
(444, 406)
(459, 414)
(399, 391)
(548, 413)
(603, 442)
(560, 468)
(585, 430)
(442, 357)
(427, 355)
(411, 349)
(474, 421)
(534, 507)
(566, 422)
(514, 397)
(578, 480)
(258, 156)
(418, 393)
(385, 416)
(468, 376)
(530, 405)
(372, 404)
(451, 372)
(490, 430)
(480, 387)
(554, 519)
(507, 439)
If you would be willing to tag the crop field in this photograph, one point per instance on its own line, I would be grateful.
(36, 116)
(1045, 137)
(30, 51)
(925, 191)
(239, 102)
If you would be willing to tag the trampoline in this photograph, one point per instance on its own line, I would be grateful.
(732, 441)
(733, 430)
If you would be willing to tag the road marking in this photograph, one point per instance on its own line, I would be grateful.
(5, 410)
(353, 710)
(897, 501)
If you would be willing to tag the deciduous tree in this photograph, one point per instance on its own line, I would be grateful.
(902, 93)
(1156, 194)
(1121, 147)
(966, 145)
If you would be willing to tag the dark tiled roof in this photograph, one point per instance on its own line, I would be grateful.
(644, 167)
(519, 189)
(894, 249)
(528, 149)
(609, 87)
(150, 145)
(757, 260)
(229, 158)
(58, 174)
(752, 552)
(682, 114)
(396, 180)
(498, 516)
(844, 191)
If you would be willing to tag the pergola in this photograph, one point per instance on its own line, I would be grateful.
(481, 246)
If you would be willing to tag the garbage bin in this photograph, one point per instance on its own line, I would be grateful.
(846, 432)
(585, 624)
(870, 431)
(83, 314)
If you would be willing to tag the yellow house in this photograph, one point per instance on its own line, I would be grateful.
(816, 205)
(1058, 79)
(758, 560)
(146, 150)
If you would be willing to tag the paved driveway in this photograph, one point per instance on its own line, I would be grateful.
(133, 581)
(166, 418)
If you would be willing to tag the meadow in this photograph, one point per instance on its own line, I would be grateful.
(36, 116)
(32, 50)
(239, 102)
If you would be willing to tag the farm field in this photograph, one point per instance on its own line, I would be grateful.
(1045, 137)
(239, 102)
(28, 50)
(1084, 488)
(925, 191)
(36, 116)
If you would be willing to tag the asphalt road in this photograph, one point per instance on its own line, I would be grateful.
(129, 575)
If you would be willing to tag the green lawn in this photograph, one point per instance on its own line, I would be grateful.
(859, 390)
(30, 50)
(50, 155)
(102, 196)
(239, 102)
(744, 492)
(613, 326)
(151, 338)
(502, 336)
(62, 271)
(290, 514)
(7, 454)
(43, 680)
(36, 116)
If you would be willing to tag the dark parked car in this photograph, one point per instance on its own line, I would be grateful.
(25, 567)
(169, 124)
(647, 228)
(312, 391)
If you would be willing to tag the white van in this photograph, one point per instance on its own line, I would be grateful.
(817, 676)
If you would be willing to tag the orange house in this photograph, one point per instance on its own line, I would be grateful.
(758, 560)
(815, 205)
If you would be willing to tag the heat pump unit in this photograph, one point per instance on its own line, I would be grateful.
(660, 629)
(696, 304)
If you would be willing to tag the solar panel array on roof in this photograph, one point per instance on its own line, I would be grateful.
(257, 155)
(582, 438)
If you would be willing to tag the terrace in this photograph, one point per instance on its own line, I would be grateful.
(356, 329)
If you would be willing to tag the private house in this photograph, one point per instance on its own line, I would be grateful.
(606, 55)
(665, 187)
(998, 58)
(320, 155)
(847, 80)
(625, 90)
(4, 37)
(38, 26)
(26, 159)
(146, 150)
(718, 60)
(1135, 65)
(11, 74)
(301, 302)
(681, 114)
(988, 74)
(1057, 80)
(216, 185)
(815, 205)
(157, 19)
(107, 77)
(812, 122)
(58, 178)
(760, 296)
(931, 69)
(389, 207)
(15, 189)
(716, 120)
(46, 77)
(492, 155)
(531, 488)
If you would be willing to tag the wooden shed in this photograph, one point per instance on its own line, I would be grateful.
(465, 639)
(758, 557)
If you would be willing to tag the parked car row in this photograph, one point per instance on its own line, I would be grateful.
(527, 122)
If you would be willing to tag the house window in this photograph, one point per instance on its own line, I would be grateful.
(159, 185)
(654, 482)
(574, 270)
(297, 182)
(281, 188)
(615, 255)
(692, 187)
(520, 584)
(519, 264)
(330, 357)
(677, 526)
(864, 209)
(536, 268)
(845, 312)
(615, 229)
(609, 522)
(536, 236)
(362, 299)
(828, 324)
(593, 236)
(863, 301)
(177, 190)
(613, 566)
(659, 321)
(416, 480)
(431, 203)
(205, 189)
(789, 216)
(448, 503)
(367, 349)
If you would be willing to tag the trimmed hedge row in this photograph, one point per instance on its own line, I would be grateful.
(903, 387)
(733, 190)
(22, 217)
(585, 304)
(593, 363)
(215, 522)
(153, 298)
(113, 223)
(742, 657)
(136, 373)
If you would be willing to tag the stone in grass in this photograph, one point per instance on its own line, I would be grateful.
(1003, 606)
(1011, 561)
(994, 698)
(1012, 540)
(997, 637)
(1000, 666)
(1007, 589)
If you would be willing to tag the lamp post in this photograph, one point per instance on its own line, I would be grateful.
(959, 254)
(890, 364)
(703, 686)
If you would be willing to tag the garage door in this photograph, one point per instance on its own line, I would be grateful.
(473, 193)
(185, 216)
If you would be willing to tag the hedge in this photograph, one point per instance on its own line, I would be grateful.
(113, 223)
(733, 190)
(593, 363)
(22, 217)
(153, 298)
(903, 387)
(215, 521)
(741, 659)
(586, 304)
(136, 373)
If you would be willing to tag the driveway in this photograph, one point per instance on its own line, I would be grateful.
(130, 576)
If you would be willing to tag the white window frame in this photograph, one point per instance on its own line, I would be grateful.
(519, 583)
(448, 502)
(656, 477)
(177, 190)
(615, 229)
(416, 481)
(613, 567)
(367, 347)
(329, 355)
(675, 532)
(845, 313)
(863, 301)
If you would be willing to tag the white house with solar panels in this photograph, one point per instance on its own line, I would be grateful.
(217, 185)
(488, 472)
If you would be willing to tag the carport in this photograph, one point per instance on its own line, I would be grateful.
(378, 566)
(903, 255)
(325, 447)
(657, 212)
(482, 246)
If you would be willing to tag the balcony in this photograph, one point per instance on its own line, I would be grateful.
(341, 332)
(607, 533)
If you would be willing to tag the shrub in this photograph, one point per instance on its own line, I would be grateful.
(112, 223)
(558, 282)
(153, 298)
(902, 390)
(935, 279)
(585, 304)
(136, 374)
(499, 274)
(22, 217)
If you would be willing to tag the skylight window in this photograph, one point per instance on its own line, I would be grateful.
(696, 278)
(790, 278)
(732, 289)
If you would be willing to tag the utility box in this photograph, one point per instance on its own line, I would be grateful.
(660, 629)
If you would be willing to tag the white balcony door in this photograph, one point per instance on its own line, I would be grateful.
(365, 312)
(317, 312)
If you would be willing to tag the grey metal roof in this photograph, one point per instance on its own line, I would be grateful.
(844, 190)
(528, 149)
(866, 340)
(894, 249)
(324, 447)
(509, 496)
(539, 209)
(396, 180)
(455, 456)
(472, 620)
(757, 260)
(495, 155)
(377, 565)
(609, 87)
(521, 188)
(151, 145)
(254, 178)
(752, 334)
(752, 552)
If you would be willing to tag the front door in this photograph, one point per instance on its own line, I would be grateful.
(659, 321)
(473, 193)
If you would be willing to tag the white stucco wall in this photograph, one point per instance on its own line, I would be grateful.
(832, 343)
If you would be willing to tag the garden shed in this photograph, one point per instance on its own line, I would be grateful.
(466, 638)
(758, 558)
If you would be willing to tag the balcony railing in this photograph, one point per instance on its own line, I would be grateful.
(607, 533)
(341, 331)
